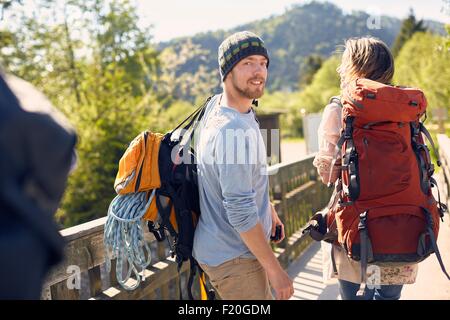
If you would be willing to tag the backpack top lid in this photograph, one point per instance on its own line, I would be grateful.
(371, 101)
(138, 167)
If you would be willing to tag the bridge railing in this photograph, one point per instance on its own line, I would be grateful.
(295, 191)
(444, 153)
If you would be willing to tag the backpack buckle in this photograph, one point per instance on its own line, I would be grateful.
(157, 232)
(348, 127)
(416, 129)
(362, 221)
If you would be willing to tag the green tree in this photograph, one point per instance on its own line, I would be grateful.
(407, 30)
(424, 62)
(447, 38)
(324, 85)
(118, 102)
(310, 66)
(314, 97)
(446, 10)
(96, 65)
(194, 84)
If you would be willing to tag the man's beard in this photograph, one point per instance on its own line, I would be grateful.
(247, 92)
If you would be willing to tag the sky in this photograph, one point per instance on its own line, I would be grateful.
(176, 18)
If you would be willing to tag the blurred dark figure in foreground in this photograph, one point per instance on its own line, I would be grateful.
(36, 155)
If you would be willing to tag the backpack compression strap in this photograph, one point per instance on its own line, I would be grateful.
(428, 136)
(433, 240)
(366, 253)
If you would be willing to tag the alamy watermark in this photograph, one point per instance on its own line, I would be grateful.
(373, 277)
(373, 22)
(252, 147)
(74, 280)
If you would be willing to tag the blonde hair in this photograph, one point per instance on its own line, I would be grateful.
(366, 57)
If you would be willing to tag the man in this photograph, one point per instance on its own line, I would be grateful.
(36, 155)
(231, 239)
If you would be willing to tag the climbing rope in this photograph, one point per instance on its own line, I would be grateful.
(124, 236)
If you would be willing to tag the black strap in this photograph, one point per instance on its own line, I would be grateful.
(164, 212)
(311, 229)
(184, 138)
(429, 220)
(193, 115)
(197, 118)
(157, 232)
(350, 161)
(192, 274)
(180, 288)
(138, 180)
(333, 261)
(424, 182)
(336, 193)
(314, 228)
(428, 136)
(436, 251)
(362, 227)
(442, 207)
(425, 165)
(184, 218)
(255, 116)
(340, 142)
(347, 135)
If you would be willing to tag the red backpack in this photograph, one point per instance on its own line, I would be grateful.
(383, 209)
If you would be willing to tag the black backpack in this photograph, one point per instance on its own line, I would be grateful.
(169, 202)
(179, 190)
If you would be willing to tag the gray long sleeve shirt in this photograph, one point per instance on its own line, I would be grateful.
(233, 184)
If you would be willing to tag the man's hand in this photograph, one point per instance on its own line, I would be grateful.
(275, 222)
(281, 283)
(278, 278)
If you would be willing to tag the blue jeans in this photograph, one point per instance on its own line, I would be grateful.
(386, 292)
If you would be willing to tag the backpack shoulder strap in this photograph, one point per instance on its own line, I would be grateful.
(187, 131)
(197, 114)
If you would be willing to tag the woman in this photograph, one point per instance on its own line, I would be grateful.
(369, 58)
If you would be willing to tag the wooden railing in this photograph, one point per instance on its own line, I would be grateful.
(444, 154)
(295, 191)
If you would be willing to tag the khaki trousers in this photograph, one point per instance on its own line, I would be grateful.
(239, 279)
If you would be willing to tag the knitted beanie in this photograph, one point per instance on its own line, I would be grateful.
(237, 47)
